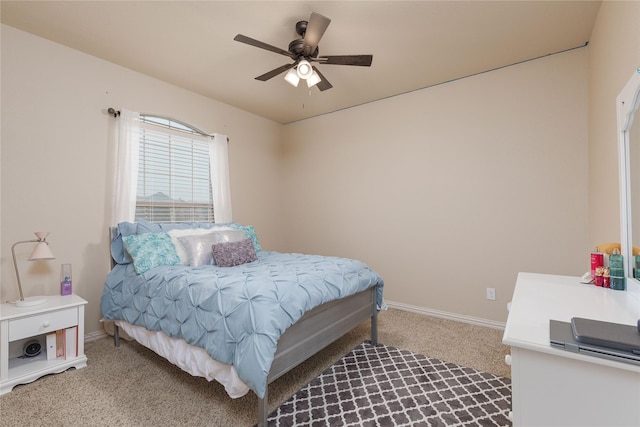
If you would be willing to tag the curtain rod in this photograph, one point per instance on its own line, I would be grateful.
(116, 113)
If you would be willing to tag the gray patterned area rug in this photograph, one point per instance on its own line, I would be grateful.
(385, 386)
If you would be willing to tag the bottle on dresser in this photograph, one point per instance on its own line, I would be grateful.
(616, 270)
(597, 260)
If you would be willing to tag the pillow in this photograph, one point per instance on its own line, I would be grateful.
(118, 253)
(198, 247)
(150, 250)
(229, 254)
(250, 232)
(175, 234)
(228, 236)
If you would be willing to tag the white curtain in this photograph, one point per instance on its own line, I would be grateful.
(127, 143)
(219, 166)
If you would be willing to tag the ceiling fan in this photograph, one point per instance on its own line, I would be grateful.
(304, 51)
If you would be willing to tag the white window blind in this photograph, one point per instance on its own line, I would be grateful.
(174, 181)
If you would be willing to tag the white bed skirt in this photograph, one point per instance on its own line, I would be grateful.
(194, 360)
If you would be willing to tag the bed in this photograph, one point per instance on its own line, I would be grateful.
(207, 298)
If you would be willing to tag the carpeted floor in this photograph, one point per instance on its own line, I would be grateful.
(131, 386)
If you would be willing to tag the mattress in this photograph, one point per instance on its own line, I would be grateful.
(194, 360)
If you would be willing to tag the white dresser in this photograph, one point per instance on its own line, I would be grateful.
(555, 387)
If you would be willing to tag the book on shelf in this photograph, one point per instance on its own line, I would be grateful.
(59, 343)
(71, 342)
(51, 346)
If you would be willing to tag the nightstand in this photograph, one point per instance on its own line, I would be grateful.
(22, 325)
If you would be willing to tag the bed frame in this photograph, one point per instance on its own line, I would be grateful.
(314, 331)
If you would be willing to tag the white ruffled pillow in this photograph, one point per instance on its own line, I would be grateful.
(198, 247)
(176, 233)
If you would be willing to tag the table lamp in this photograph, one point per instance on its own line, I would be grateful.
(40, 252)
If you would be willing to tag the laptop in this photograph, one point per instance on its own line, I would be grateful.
(606, 334)
(561, 336)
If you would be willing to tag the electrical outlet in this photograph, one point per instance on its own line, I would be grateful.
(491, 294)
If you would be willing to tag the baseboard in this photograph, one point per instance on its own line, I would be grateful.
(93, 336)
(446, 315)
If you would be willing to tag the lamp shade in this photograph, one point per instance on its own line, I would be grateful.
(41, 251)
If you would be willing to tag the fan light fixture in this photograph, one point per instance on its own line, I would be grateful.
(292, 77)
(314, 79)
(303, 71)
(40, 252)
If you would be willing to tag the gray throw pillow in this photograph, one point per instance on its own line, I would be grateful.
(229, 254)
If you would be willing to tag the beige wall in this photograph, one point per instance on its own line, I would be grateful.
(56, 159)
(445, 191)
(614, 54)
(452, 189)
(449, 208)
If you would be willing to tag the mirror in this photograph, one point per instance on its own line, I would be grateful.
(634, 182)
(628, 102)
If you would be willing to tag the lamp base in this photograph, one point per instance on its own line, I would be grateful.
(31, 301)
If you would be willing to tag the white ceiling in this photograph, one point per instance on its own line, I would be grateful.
(415, 44)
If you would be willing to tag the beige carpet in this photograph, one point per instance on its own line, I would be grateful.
(131, 386)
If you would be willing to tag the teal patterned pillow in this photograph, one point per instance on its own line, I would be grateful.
(250, 232)
(150, 250)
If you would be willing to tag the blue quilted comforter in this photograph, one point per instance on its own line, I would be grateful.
(236, 313)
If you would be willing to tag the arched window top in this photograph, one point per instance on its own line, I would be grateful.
(172, 124)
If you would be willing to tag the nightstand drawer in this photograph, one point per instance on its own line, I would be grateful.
(42, 323)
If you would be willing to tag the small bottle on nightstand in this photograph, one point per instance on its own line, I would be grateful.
(65, 279)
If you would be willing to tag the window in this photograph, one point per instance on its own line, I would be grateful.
(174, 177)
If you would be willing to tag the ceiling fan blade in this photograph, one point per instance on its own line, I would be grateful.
(262, 45)
(359, 60)
(324, 83)
(271, 74)
(316, 27)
